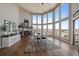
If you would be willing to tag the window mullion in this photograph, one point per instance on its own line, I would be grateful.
(59, 21)
(37, 23)
(47, 23)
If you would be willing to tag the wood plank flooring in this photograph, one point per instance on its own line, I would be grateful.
(18, 49)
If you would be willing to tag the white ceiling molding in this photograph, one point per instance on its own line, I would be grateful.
(37, 7)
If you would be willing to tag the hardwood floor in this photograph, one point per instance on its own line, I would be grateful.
(18, 49)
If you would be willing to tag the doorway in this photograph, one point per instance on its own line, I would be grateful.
(76, 32)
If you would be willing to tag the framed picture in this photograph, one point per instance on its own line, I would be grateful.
(26, 21)
(9, 26)
(6, 23)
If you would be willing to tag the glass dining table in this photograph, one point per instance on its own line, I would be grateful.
(37, 43)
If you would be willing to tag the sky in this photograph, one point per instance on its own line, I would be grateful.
(77, 24)
(64, 14)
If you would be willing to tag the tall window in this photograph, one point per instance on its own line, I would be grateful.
(45, 24)
(39, 28)
(64, 10)
(60, 23)
(36, 23)
(65, 29)
(50, 24)
(50, 29)
(65, 21)
(57, 22)
(56, 29)
(50, 17)
(39, 23)
(44, 19)
(34, 19)
(57, 14)
(34, 28)
(44, 29)
(39, 19)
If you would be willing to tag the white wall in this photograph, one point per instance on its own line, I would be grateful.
(9, 12)
(13, 13)
(23, 14)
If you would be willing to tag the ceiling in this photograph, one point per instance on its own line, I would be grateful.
(37, 7)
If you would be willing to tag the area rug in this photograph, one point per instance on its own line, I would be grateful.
(44, 44)
(77, 46)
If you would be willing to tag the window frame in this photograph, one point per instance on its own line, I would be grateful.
(60, 21)
(54, 22)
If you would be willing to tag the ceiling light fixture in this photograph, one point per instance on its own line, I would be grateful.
(41, 3)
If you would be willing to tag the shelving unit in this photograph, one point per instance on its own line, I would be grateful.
(8, 35)
(1, 32)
